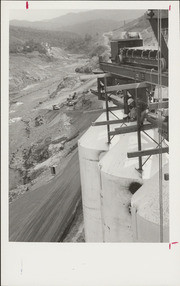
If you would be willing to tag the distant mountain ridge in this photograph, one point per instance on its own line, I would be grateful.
(78, 38)
(83, 22)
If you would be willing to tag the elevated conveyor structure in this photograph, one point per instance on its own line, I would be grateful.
(129, 147)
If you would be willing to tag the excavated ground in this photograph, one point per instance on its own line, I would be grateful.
(43, 205)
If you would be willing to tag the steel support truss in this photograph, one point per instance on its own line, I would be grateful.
(138, 127)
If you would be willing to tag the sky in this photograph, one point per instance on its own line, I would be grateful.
(38, 15)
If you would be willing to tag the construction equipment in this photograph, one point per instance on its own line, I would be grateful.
(56, 107)
(136, 72)
(132, 62)
(132, 52)
(72, 100)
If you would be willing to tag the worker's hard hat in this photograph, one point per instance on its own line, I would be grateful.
(130, 100)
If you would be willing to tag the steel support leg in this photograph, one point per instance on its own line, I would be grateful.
(107, 110)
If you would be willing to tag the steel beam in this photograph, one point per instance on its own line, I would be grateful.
(107, 110)
(139, 93)
(103, 109)
(163, 125)
(152, 106)
(95, 92)
(136, 73)
(147, 152)
(115, 108)
(130, 129)
(126, 86)
(100, 123)
(116, 100)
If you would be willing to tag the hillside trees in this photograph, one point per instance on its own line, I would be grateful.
(28, 40)
(32, 45)
(20, 36)
(28, 47)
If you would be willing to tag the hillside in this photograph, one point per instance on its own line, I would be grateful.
(88, 27)
(83, 21)
(19, 35)
(33, 46)
(141, 25)
(90, 15)
(93, 27)
(74, 32)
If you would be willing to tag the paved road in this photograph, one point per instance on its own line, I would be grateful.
(42, 215)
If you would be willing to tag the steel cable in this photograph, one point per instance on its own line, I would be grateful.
(160, 126)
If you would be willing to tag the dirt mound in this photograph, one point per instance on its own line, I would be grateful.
(98, 51)
(84, 69)
(66, 82)
(37, 153)
(58, 53)
(25, 70)
(92, 64)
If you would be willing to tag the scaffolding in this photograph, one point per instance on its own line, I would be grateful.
(142, 81)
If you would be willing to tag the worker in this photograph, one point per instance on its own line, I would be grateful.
(132, 115)
(132, 109)
(126, 35)
(120, 93)
(143, 109)
(121, 52)
(165, 123)
(101, 86)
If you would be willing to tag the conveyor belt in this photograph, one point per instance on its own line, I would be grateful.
(136, 73)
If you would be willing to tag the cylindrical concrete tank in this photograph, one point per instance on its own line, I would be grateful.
(91, 147)
(117, 173)
(145, 210)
